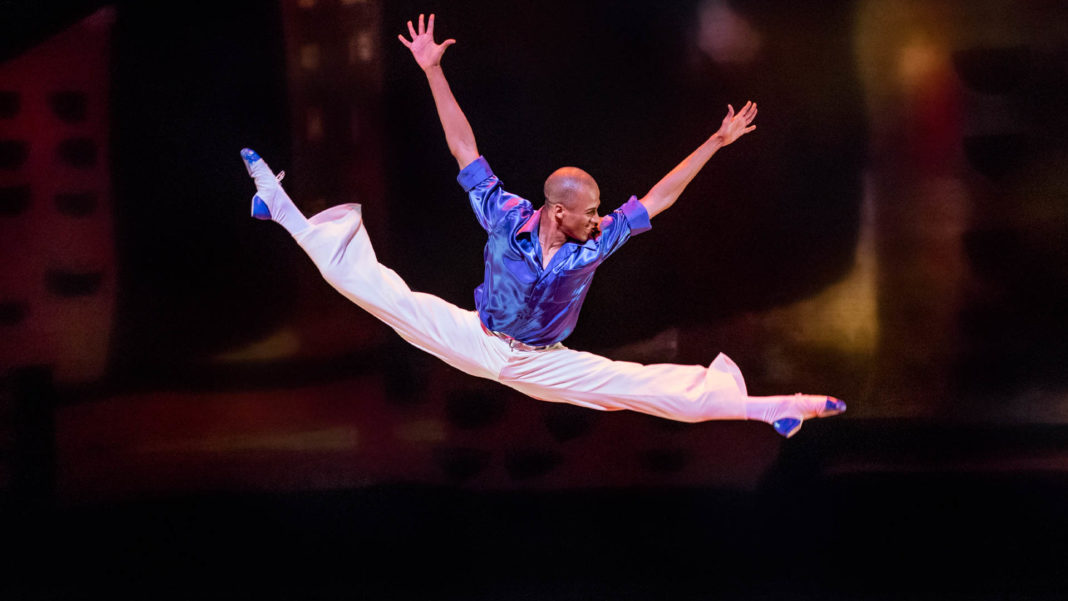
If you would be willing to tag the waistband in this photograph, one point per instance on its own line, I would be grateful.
(512, 342)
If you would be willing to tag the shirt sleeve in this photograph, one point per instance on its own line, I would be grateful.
(488, 199)
(617, 227)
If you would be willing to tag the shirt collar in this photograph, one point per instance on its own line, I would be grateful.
(531, 226)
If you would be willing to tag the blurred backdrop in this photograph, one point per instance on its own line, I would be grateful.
(892, 234)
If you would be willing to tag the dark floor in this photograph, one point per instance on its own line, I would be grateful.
(937, 524)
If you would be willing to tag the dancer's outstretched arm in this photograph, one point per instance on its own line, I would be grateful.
(668, 189)
(427, 54)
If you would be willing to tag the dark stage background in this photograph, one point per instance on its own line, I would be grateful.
(188, 410)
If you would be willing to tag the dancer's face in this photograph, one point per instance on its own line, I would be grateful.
(579, 218)
(573, 197)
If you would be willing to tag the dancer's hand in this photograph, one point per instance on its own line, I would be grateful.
(426, 52)
(737, 125)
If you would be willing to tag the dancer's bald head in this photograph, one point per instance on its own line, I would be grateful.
(570, 185)
(571, 201)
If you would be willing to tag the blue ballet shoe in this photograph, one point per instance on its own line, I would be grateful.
(260, 210)
(834, 407)
(788, 426)
(271, 201)
(250, 157)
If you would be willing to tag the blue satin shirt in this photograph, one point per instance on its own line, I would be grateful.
(535, 305)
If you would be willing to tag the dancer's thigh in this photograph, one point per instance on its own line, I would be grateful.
(340, 247)
(449, 333)
(581, 378)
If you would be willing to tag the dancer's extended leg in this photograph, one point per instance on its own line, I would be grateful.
(689, 393)
(338, 244)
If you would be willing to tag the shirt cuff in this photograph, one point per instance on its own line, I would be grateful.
(637, 216)
(474, 174)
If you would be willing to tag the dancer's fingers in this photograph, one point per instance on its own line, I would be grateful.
(749, 129)
(411, 30)
(422, 26)
(404, 41)
(730, 111)
(430, 25)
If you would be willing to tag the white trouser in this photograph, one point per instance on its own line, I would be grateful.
(338, 244)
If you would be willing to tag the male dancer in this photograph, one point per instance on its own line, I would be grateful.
(538, 267)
